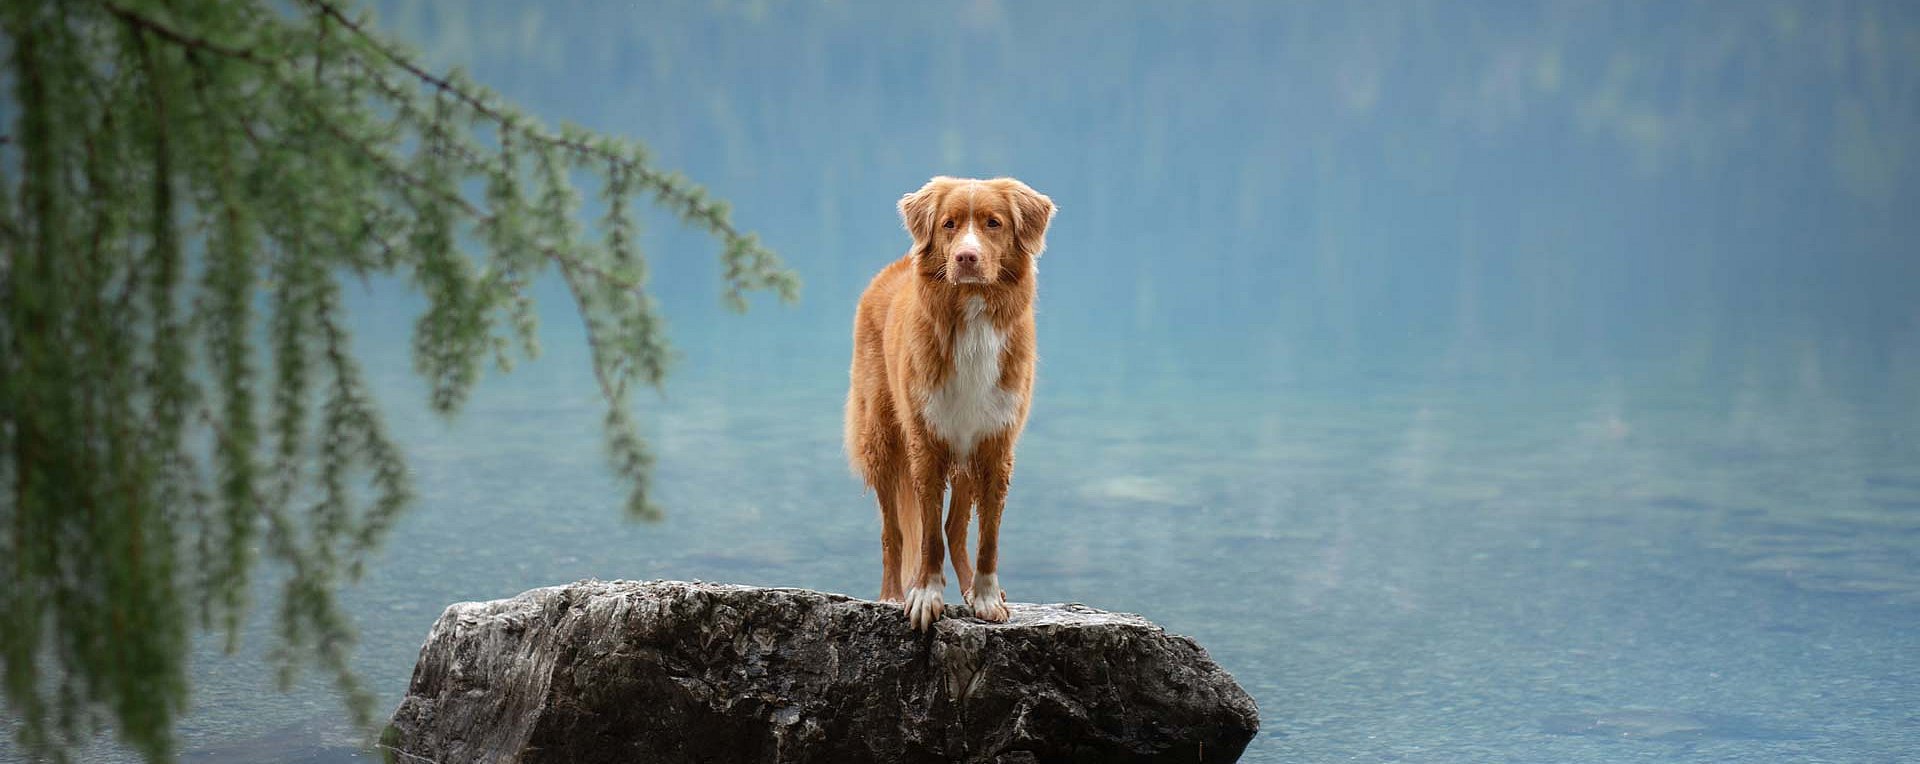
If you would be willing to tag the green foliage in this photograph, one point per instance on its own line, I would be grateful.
(184, 189)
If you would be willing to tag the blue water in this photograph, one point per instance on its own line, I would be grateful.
(1453, 373)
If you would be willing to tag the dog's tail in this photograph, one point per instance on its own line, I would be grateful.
(855, 442)
(861, 450)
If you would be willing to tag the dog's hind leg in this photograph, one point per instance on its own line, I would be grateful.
(959, 512)
(896, 496)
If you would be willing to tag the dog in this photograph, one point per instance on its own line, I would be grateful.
(941, 382)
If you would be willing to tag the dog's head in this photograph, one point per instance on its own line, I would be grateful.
(984, 232)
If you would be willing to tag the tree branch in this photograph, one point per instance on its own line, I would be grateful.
(478, 215)
(690, 204)
(661, 183)
(608, 388)
(181, 38)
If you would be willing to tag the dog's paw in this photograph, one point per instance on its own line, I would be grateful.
(988, 600)
(924, 603)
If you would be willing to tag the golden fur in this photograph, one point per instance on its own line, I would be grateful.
(921, 408)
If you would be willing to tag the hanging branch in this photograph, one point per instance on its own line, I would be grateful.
(179, 397)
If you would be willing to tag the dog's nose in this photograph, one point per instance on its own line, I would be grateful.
(967, 257)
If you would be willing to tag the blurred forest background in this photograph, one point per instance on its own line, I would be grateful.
(1296, 190)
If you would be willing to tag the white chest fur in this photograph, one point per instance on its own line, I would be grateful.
(970, 404)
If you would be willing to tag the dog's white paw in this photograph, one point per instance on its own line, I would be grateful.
(988, 600)
(924, 603)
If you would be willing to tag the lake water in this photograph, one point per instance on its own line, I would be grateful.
(1477, 383)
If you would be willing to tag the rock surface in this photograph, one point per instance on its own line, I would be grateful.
(669, 671)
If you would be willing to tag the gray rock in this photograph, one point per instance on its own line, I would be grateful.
(669, 671)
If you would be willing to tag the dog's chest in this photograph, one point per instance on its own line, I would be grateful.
(970, 404)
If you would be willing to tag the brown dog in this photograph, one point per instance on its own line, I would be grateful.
(942, 376)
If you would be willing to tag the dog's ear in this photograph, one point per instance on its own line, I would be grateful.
(1032, 212)
(917, 210)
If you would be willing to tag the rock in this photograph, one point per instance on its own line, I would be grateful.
(669, 671)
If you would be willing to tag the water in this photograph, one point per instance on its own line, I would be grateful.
(1475, 382)
(1395, 573)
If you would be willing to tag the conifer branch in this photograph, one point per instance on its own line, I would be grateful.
(669, 189)
(217, 172)
(182, 38)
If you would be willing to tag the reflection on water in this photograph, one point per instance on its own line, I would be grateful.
(320, 740)
(1653, 724)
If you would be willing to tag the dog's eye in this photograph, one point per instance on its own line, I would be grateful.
(993, 222)
(949, 225)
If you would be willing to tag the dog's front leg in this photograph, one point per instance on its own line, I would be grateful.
(992, 475)
(924, 595)
(959, 513)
